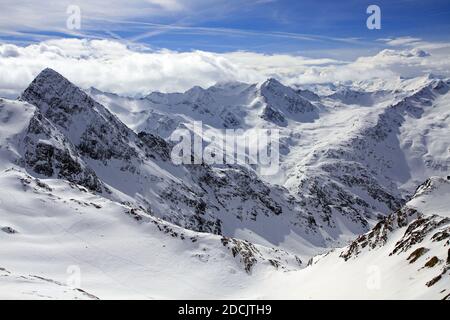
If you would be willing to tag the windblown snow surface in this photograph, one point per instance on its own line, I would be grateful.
(92, 207)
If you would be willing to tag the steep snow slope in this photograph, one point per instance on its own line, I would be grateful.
(405, 256)
(14, 119)
(425, 141)
(432, 197)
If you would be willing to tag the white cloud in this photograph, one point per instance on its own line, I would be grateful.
(402, 41)
(418, 43)
(114, 67)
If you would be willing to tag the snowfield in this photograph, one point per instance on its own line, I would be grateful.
(92, 207)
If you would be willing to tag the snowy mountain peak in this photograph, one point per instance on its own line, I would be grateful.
(273, 86)
(274, 90)
(50, 88)
(273, 83)
(48, 83)
(431, 184)
(49, 73)
(412, 53)
(432, 197)
(283, 103)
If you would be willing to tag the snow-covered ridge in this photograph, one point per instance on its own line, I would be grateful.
(419, 216)
(406, 255)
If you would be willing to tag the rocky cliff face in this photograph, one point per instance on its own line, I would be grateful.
(424, 235)
(95, 132)
(50, 154)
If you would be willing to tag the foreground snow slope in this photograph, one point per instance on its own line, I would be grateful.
(50, 229)
(405, 256)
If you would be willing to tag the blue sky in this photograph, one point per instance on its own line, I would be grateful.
(308, 27)
(332, 24)
(135, 47)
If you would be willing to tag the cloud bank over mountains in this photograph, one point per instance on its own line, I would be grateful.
(136, 70)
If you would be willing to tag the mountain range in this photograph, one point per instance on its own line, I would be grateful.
(358, 208)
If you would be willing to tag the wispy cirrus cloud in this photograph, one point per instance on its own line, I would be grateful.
(401, 41)
(51, 15)
(108, 19)
(255, 25)
(439, 47)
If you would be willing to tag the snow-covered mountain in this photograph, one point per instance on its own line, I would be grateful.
(87, 181)
(348, 157)
(90, 146)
